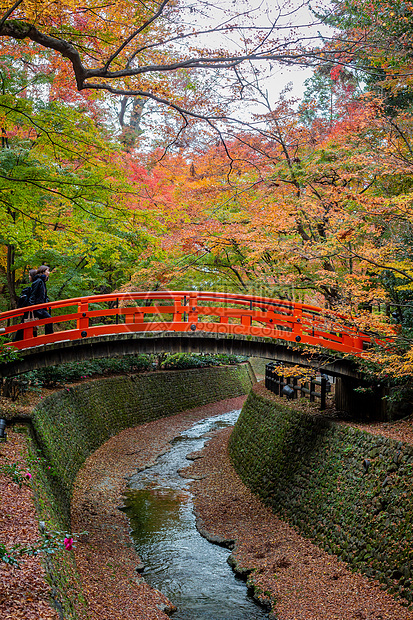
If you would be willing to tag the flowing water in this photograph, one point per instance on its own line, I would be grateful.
(189, 570)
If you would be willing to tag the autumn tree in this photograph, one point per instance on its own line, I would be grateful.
(306, 212)
(166, 56)
(66, 193)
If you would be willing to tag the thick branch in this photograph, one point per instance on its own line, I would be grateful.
(22, 30)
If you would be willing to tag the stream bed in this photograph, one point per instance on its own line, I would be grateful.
(190, 571)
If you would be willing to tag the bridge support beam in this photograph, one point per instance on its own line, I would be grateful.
(114, 345)
(360, 400)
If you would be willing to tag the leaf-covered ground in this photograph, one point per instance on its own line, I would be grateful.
(24, 593)
(306, 582)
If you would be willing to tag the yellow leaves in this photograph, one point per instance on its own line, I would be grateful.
(294, 372)
(116, 12)
(391, 363)
(97, 30)
(404, 365)
(40, 12)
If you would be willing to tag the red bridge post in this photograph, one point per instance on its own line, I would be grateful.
(83, 319)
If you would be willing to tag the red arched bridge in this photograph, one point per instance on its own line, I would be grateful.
(101, 323)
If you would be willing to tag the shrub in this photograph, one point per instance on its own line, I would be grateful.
(199, 360)
(70, 372)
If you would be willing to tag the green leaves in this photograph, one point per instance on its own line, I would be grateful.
(65, 198)
(14, 471)
(51, 542)
(8, 353)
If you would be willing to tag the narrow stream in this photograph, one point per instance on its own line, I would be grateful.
(190, 571)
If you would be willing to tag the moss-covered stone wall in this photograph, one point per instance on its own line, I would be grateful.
(258, 365)
(349, 491)
(72, 423)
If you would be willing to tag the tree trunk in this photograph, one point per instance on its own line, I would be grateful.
(11, 276)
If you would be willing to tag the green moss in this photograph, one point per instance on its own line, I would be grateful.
(347, 490)
(70, 424)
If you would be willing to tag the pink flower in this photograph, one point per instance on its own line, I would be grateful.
(28, 475)
(68, 544)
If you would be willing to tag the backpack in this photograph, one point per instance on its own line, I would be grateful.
(23, 299)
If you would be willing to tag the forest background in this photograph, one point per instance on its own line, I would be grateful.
(143, 148)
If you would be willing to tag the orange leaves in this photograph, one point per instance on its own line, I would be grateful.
(154, 189)
(345, 234)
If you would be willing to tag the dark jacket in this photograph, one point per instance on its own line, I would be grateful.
(38, 293)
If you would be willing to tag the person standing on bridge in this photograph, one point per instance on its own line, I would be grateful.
(38, 295)
(23, 301)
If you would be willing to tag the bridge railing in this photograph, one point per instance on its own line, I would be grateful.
(187, 311)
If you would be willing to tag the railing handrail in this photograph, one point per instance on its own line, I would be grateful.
(201, 295)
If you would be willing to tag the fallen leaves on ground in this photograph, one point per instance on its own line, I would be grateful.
(24, 592)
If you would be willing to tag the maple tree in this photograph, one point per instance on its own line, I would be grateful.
(318, 211)
(64, 59)
(308, 202)
(377, 36)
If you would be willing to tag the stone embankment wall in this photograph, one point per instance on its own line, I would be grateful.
(349, 491)
(72, 423)
(258, 365)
